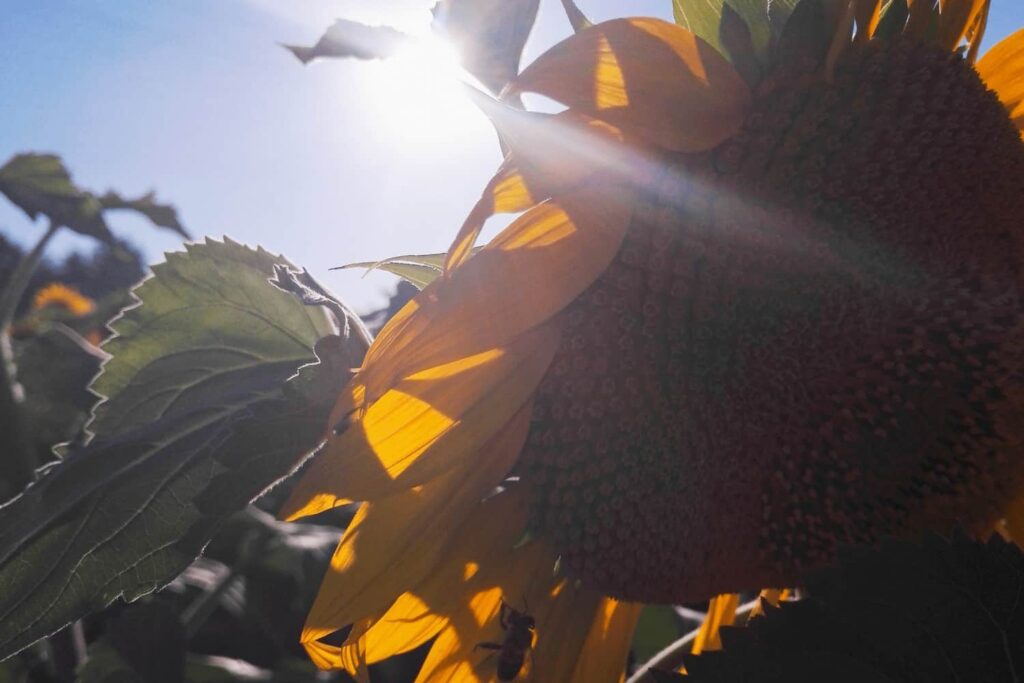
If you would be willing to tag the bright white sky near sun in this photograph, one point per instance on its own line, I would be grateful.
(336, 162)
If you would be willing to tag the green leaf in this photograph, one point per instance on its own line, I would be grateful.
(742, 30)
(35, 182)
(199, 419)
(807, 31)
(39, 184)
(657, 627)
(417, 269)
(209, 315)
(161, 215)
(938, 611)
(489, 35)
(347, 38)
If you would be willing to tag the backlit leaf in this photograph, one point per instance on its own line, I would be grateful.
(351, 39)
(200, 418)
(162, 215)
(417, 269)
(39, 184)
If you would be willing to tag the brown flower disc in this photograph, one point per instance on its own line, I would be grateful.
(811, 336)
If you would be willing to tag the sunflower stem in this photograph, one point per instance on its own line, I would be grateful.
(671, 658)
(18, 468)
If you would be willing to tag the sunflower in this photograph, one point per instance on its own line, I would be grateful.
(63, 297)
(756, 306)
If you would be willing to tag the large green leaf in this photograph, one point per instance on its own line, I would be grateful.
(938, 611)
(200, 418)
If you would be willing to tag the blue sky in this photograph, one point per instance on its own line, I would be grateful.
(329, 164)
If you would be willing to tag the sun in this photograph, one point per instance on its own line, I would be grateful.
(416, 100)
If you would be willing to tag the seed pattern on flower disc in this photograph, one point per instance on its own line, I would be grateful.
(812, 335)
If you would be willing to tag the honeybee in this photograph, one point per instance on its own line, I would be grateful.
(519, 628)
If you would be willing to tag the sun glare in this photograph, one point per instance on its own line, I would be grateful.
(416, 99)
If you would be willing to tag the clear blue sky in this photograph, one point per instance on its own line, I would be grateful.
(195, 98)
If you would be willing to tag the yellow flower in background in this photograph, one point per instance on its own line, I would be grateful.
(61, 296)
(743, 319)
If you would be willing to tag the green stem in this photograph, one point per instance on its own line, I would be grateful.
(18, 469)
(21, 276)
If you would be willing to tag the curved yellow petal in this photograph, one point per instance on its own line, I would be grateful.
(429, 423)
(1002, 69)
(651, 77)
(525, 275)
(393, 543)
(506, 192)
(522, 579)
(492, 531)
(606, 649)
(721, 612)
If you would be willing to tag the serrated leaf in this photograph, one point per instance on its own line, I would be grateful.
(198, 421)
(944, 610)
(213, 306)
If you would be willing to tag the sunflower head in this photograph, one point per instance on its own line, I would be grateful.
(764, 300)
(57, 295)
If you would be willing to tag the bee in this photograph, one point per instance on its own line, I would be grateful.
(519, 628)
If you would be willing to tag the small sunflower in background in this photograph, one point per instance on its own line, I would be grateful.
(63, 297)
(764, 300)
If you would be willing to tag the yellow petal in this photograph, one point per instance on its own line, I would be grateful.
(867, 13)
(771, 596)
(648, 76)
(976, 33)
(523, 580)
(490, 532)
(507, 192)
(955, 18)
(525, 275)
(392, 544)
(721, 612)
(1002, 69)
(429, 423)
(606, 650)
